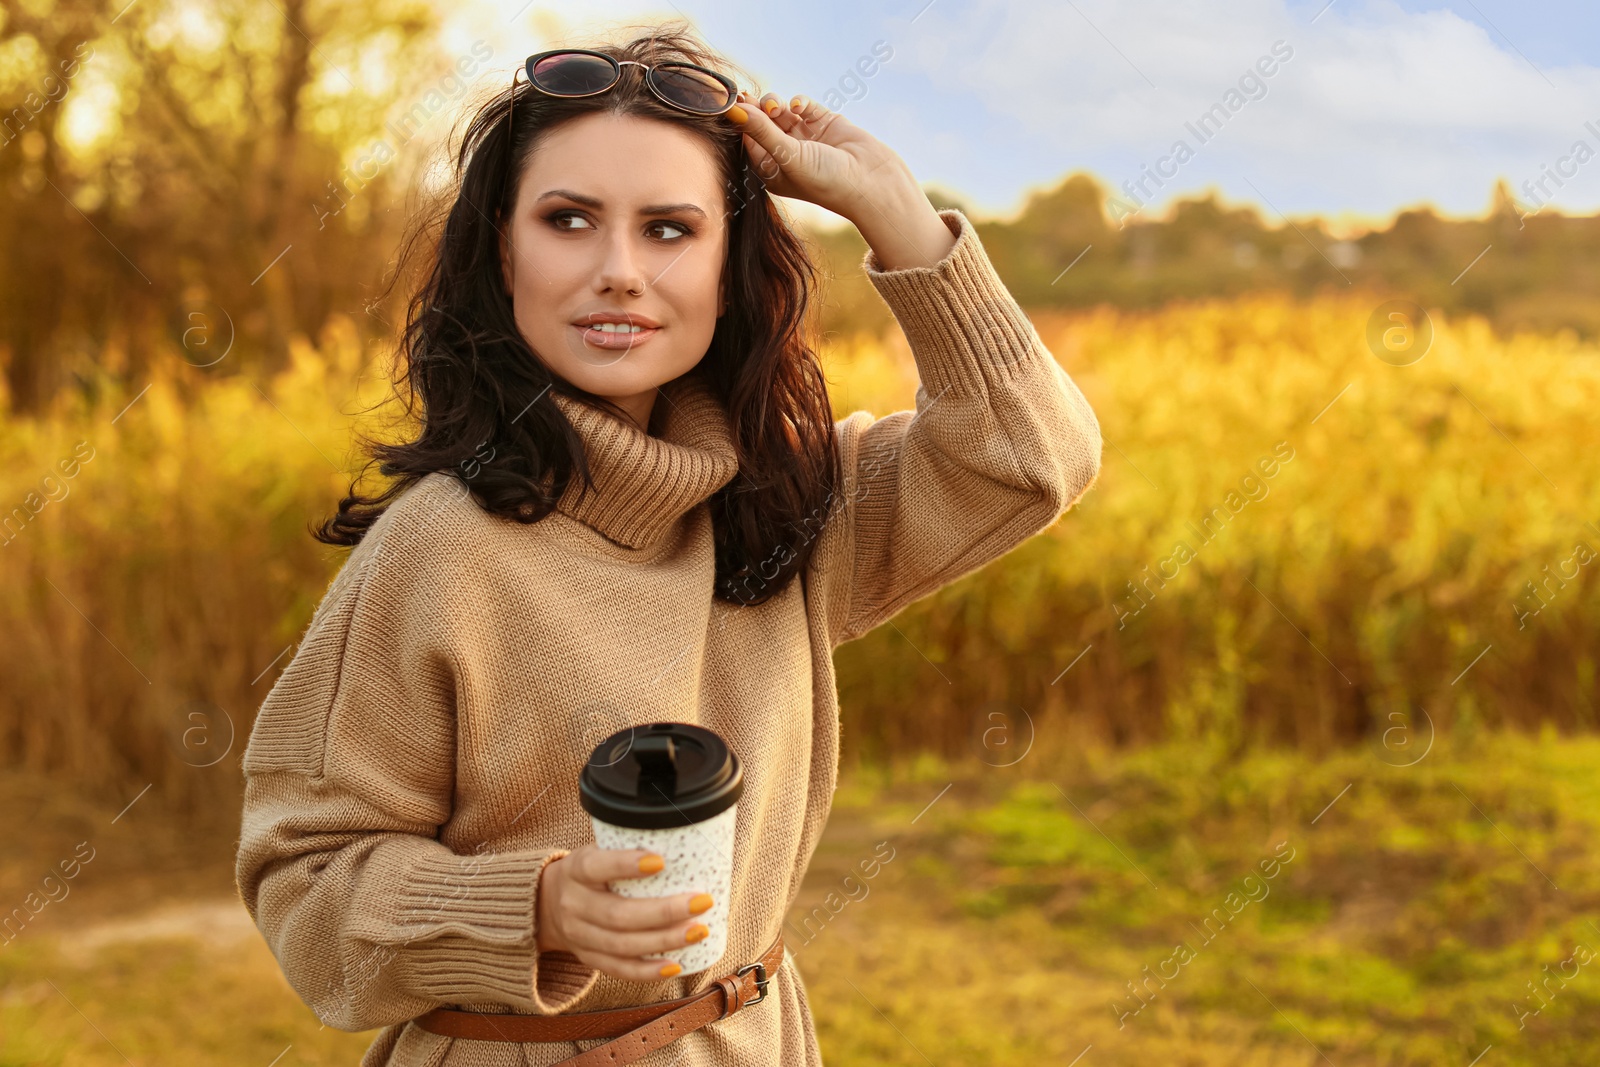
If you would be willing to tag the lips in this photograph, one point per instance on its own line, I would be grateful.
(615, 340)
(618, 317)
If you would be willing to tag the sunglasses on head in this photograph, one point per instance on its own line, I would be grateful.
(581, 72)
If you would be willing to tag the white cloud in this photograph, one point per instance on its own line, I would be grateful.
(1378, 107)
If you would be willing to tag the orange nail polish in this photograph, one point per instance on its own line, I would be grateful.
(651, 864)
(696, 932)
(772, 107)
(700, 903)
(737, 114)
(670, 969)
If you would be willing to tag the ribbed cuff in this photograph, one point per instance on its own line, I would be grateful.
(559, 979)
(489, 896)
(961, 321)
(488, 908)
(454, 969)
(458, 970)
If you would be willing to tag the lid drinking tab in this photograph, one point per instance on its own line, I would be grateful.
(660, 775)
(658, 766)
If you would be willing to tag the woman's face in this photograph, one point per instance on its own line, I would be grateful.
(618, 218)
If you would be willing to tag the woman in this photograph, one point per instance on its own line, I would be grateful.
(595, 529)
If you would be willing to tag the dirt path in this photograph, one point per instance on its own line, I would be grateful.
(216, 923)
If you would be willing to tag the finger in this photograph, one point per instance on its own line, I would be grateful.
(594, 866)
(631, 969)
(631, 944)
(760, 128)
(771, 105)
(761, 162)
(780, 113)
(816, 117)
(614, 912)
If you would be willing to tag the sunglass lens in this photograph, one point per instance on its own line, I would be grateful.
(572, 74)
(693, 88)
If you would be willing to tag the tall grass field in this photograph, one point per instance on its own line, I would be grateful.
(1291, 542)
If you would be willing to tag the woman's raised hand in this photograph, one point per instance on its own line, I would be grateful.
(578, 913)
(806, 152)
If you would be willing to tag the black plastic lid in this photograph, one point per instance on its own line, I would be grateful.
(660, 775)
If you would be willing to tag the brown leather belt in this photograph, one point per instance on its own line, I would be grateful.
(634, 1031)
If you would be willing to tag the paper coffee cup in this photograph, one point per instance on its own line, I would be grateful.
(671, 788)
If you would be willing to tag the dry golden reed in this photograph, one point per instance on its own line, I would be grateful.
(1290, 541)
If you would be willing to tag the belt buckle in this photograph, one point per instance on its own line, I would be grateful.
(761, 982)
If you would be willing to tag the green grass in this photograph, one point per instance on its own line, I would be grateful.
(1401, 932)
(1418, 904)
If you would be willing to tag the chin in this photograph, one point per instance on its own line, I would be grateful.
(618, 379)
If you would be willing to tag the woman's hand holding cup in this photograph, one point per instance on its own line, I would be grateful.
(578, 913)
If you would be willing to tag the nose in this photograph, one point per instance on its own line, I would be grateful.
(621, 267)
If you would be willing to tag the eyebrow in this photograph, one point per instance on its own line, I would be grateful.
(648, 209)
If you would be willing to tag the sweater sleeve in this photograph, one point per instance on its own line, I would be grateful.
(349, 773)
(1000, 444)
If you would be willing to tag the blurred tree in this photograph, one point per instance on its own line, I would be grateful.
(172, 166)
(40, 54)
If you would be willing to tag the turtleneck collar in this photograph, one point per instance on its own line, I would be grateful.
(644, 484)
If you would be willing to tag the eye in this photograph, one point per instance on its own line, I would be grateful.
(680, 227)
(555, 219)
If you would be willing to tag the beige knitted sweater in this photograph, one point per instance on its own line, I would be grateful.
(416, 763)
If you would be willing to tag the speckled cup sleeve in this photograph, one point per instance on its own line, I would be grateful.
(699, 859)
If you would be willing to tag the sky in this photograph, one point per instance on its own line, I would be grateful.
(1370, 106)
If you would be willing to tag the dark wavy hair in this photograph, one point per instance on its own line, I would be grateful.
(469, 379)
